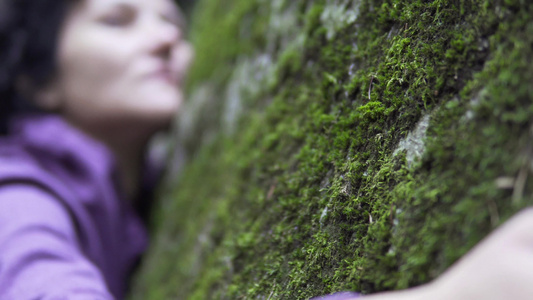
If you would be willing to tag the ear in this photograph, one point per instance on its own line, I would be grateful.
(46, 98)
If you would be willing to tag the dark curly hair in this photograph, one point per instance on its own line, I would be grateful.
(29, 31)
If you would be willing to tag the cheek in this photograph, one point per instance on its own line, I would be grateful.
(88, 69)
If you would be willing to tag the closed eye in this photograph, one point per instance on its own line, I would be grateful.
(119, 16)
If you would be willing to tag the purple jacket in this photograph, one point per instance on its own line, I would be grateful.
(66, 231)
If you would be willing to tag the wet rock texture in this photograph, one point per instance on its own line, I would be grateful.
(342, 145)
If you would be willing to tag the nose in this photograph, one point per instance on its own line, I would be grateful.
(162, 37)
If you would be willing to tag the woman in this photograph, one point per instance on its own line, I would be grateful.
(84, 84)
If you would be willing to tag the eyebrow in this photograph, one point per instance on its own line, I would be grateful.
(170, 11)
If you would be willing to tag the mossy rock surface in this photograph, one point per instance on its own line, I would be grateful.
(343, 145)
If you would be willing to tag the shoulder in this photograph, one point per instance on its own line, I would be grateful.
(26, 184)
(24, 170)
(33, 207)
(35, 185)
(19, 165)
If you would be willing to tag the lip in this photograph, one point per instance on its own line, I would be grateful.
(163, 74)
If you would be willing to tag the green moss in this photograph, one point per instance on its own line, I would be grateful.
(308, 196)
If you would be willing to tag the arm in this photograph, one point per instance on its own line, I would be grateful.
(39, 253)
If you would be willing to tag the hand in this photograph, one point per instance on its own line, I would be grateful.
(498, 268)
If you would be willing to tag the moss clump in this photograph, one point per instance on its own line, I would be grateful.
(307, 195)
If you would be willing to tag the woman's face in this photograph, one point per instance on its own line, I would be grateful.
(120, 65)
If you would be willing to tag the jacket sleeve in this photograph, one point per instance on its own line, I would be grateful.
(40, 257)
(339, 296)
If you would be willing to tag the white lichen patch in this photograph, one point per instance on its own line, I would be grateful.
(253, 76)
(283, 25)
(233, 107)
(323, 215)
(191, 115)
(473, 103)
(250, 79)
(414, 143)
(338, 14)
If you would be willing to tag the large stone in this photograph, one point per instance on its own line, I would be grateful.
(342, 145)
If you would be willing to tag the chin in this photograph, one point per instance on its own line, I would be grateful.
(164, 113)
(165, 100)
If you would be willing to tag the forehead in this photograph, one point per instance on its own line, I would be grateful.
(161, 6)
